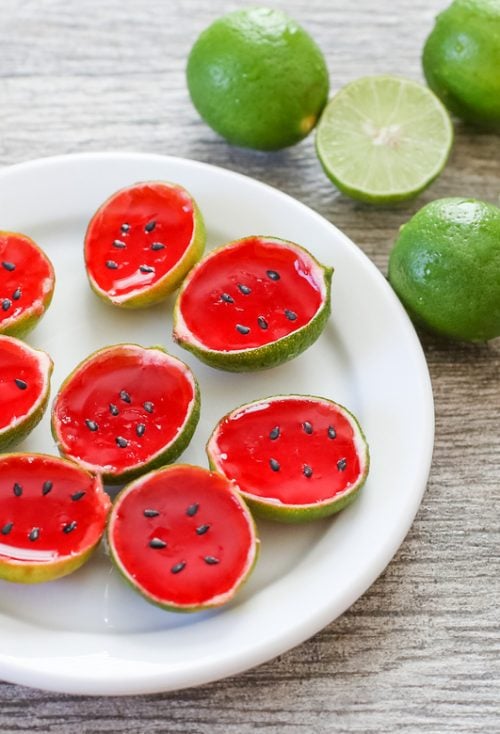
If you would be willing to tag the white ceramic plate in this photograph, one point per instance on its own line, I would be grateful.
(89, 633)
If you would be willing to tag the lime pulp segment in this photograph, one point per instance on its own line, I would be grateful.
(383, 138)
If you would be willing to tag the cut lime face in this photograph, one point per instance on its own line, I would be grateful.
(383, 139)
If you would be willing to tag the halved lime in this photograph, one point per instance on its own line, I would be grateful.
(383, 139)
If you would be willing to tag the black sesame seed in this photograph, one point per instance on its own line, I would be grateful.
(332, 433)
(146, 269)
(34, 534)
(124, 395)
(17, 489)
(272, 274)
(70, 527)
(275, 465)
(113, 409)
(202, 529)
(111, 264)
(307, 427)
(148, 406)
(275, 433)
(8, 266)
(244, 289)
(192, 509)
(307, 471)
(78, 495)
(242, 329)
(17, 294)
(341, 464)
(7, 528)
(157, 246)
(6, 304)
(22, 385)
(119, 244)
(291, 315)
(125, 227)
(177, 567)
(157, 543)
(46, 487)
(121, 442)
(150, 226)
(227, 298)
(151, 513)
(211, 560)
(262, 322)
(140, 429)
(91, 425)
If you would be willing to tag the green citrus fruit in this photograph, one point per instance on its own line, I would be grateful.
(461, 60)
(445, 268)
(258, 79)
(383, 139)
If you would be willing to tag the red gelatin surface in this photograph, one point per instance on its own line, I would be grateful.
(49, 509)
(267, 288)
(125, 394)
(26, 281)
(207, 531)
(143, 230)
(293, 450)
(23, 378)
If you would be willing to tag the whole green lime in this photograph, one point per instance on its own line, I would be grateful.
(258, 79)
(445, 268)
(461, 60)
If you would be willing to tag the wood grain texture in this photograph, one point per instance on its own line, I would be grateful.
(420, 651)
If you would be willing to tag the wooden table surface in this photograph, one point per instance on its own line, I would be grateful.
(420, 651)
